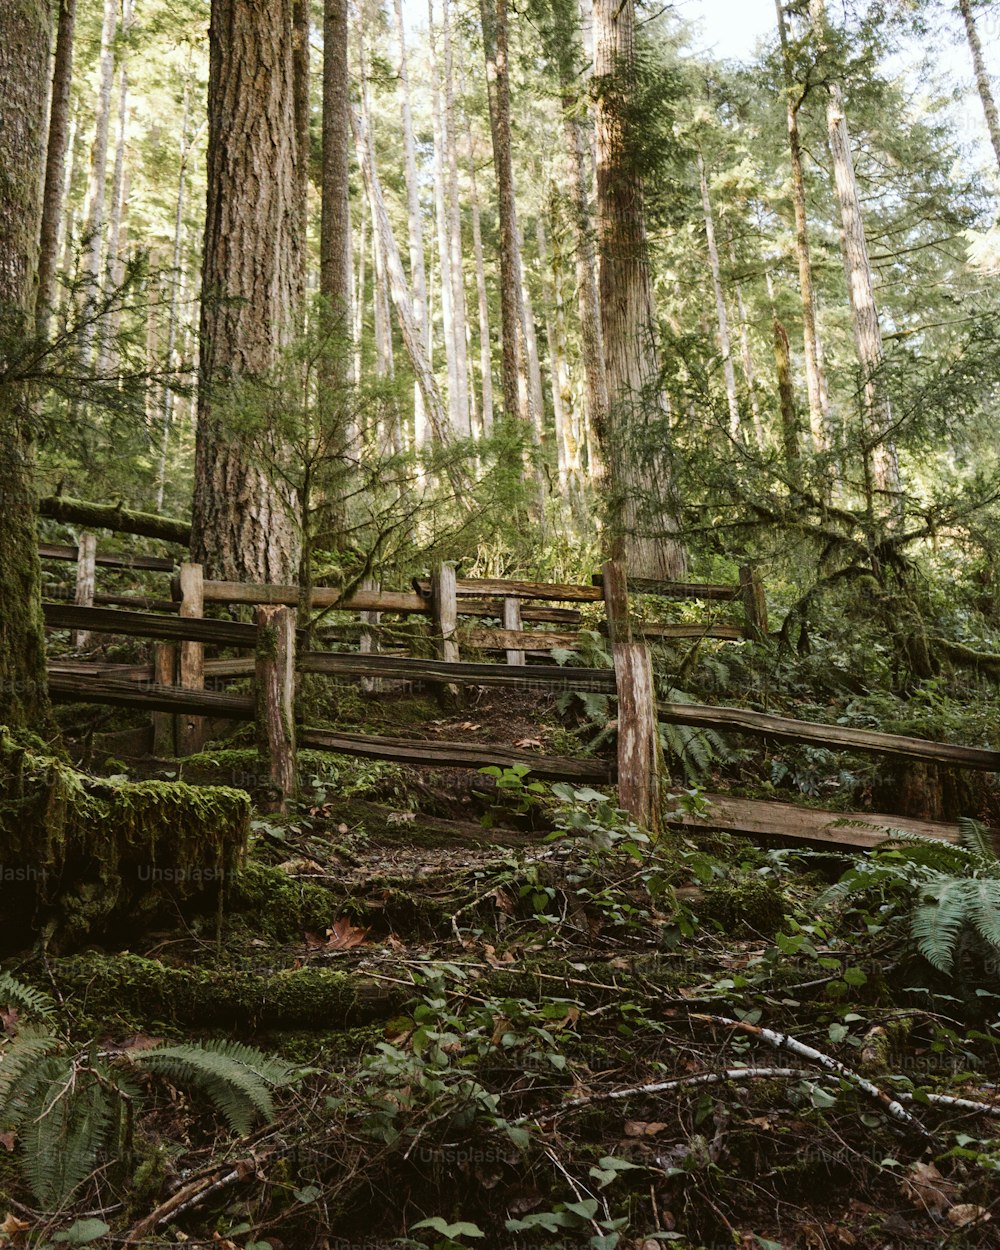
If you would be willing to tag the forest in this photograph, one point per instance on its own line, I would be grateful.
(499, 624)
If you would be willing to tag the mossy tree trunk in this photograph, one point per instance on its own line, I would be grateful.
(25, 27)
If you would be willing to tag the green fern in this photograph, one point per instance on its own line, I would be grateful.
(14, 993)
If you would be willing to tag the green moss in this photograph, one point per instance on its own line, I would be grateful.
(281, 909)
(744, 905)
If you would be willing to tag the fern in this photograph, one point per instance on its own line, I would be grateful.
(14, 993)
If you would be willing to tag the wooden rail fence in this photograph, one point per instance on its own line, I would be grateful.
(173, 686)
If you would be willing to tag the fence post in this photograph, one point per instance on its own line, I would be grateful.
(444, 605)
(369, 639)
(190, 730)
(86, 581)
(164, 674)
(754, 602)
(274, 686)
(640, 757)
(512, 620)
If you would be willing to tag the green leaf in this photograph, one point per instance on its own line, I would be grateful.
(460, 1229)
(838, 1032)
(83, 1232)
(586, 1210)
(855, 976)
(821, 1099)
(307, 1194)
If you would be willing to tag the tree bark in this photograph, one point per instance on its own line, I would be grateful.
(881, 464)
(301, 26)
(819, 409)
(746, 354)
(982, 77)
(517, 399)
(722, 316)
(635, 434)
(454, 230)
(418, 270)
(93, 229)
(25, 29)
(444, 255)
(335, 228)
(55, 165)
(243, 524)
(485, 340)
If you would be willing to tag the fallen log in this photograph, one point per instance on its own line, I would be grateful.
(531, 677)
(73, 688)
(115, 517)
(148, 625)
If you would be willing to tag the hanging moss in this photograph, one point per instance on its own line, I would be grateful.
(89, 852)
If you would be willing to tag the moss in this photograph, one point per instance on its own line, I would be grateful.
(97, 851)
(281, 909)
(744, 905)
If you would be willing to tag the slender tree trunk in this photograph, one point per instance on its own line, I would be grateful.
(448, 326)
(982, 77)
(786, 390)
(746, 354)
(517, 399)
(418, 271)
(454, 224)
(56, 162)
(635, 434)
(537, 406)
(93, 230)
(722, 317)
(881, 461)
(485, 340)
(243, 525)
(819, 410)
(301, 26)
(358, 325)
(558, 372)
(25, 29)
(119, 197)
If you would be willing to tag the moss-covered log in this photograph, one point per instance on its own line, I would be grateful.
(115, 517)
(85, 853)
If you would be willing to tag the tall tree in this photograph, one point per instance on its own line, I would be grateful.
(722, 316)
(819, 413)
(55, 164)
(635, 434)
(93, 229)
(25, 27)
(242, 524)
(982, 77)
(881, 463)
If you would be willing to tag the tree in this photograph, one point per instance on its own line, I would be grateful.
(55, 164)
(635, 435)
(982, 77)
(24, 56)
(242, 525)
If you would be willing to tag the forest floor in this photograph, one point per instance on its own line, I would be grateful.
(502, 1038)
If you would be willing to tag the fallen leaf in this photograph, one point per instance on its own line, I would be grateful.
(643, 1128)
(344, 936)
(966, 1213)
(12, 1226)
(528, 743)
(7, 1140)
(400, 818)
(8, 1020)
(469, 727)
(300, 867)
(925, 1187)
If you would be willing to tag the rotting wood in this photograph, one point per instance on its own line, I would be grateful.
(190, 730)
(274, 687)
(115, 517)
(754, 602)
(512, 626)
(679, 590)
(141, 603)
(320, 597)
(692, 630)
(72, 688)
(455, 755)
(518, 640)
(444, 606)
(764, 817)
(164, 670)
(500, 588)
(834, 737)
(534, 614)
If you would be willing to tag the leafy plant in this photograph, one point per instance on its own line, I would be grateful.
(69, 1107)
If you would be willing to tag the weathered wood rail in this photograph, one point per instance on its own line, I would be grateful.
(173, 686)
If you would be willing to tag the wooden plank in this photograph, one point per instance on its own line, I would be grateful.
(530, 677)
(757, 817)
(274, 688)
(95, 668)
(834, 737)
(512, 625)
(190, 730)
(70, 688)
(115, 517)
(680, 590)
(501, 588)
(538, 640)
(164, 672)
(86, 582)
(322, 597)
(754, 601)
(148, 625)
(721, 633)
(544, 616)
(444, 606)
(454, 755)
(230, 668)
(368, 643)
(151, 564)
(640, 756)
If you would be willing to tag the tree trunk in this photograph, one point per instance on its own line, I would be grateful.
(786, 391)
(514, 356)
(819, 410)
(485, 341)
(746, 354)
(55, 165)
(454, 230)
(558, 372)
(335, 228)
(115, 267)
(243, 524)
(634, 438)
(448, 331)
(418, 271)
(881, 464)
(301, 26)
(982, 77)
(534, 367)
(24, 57)
(722, 317)
(93, 229)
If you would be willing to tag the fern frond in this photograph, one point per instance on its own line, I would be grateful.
(937, 922)
(978, 839)
(61, 1140)
(20, 1063)
(983, 902)
(14, 993)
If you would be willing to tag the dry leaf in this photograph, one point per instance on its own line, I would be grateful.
(966, 1213)
(11, 1226)
(925, 1187)
(400, 818)
(7, 1140)
(8, 1021)
(344, 936)
(643, 1128)
(527, 743)
(504, 902)
(301, 867)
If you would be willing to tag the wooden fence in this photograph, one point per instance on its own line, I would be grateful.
(535, 620)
